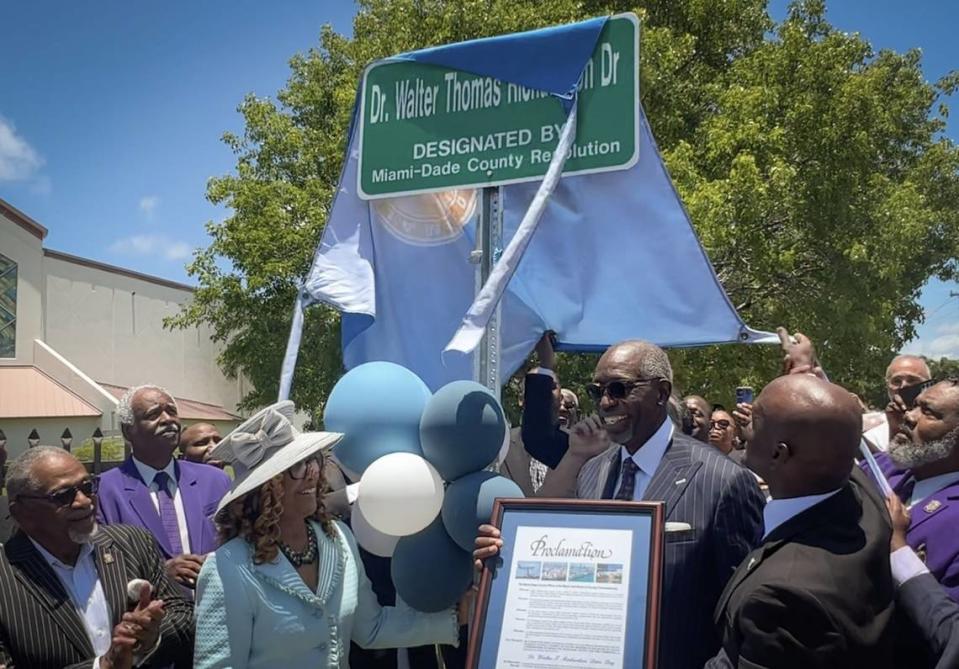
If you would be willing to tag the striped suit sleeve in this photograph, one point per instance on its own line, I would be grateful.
(176, 629)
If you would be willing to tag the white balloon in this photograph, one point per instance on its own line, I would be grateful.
(400, 494)
(369, 537)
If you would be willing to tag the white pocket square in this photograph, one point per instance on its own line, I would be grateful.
(678, 527)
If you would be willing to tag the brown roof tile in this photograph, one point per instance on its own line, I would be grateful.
(26, 392)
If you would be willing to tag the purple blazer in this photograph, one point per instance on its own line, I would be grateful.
(932, 530)
(125, 498)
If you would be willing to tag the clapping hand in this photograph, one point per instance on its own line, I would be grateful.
(143, 622)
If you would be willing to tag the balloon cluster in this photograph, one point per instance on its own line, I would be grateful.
(420, 459)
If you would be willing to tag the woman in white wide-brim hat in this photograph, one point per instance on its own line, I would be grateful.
(284, 589)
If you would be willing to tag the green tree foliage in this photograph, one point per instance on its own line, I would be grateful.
(944, 368)
(813, 168)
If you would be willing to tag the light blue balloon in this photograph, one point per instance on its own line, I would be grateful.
(378, 406)
(462, 429)
(469, 503)
(429, 570)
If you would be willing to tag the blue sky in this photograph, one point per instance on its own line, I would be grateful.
(111, 114)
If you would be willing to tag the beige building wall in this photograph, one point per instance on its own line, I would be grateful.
(110, 325)
(83, 323)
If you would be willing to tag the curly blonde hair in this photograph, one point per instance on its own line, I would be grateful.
(256, 518)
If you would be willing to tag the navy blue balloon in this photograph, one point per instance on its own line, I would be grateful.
(462, 429)
(469, 503)
(377, 406)
(429, 570)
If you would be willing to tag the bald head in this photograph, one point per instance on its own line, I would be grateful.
(806, 434)
(642, 358)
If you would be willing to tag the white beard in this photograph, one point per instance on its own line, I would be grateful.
(910, 455)
(83, 537)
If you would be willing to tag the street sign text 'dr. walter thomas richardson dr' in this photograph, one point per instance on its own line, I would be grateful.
(429, 128)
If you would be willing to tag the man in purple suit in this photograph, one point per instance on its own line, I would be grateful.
(171, 499)
(922, 466)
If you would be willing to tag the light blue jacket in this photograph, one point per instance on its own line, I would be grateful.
(263, 615)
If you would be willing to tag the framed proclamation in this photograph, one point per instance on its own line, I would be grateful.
(576, 585)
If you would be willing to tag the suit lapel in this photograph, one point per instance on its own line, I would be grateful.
(138, 494)
(672, 476)
(39, 579)
(112, 571)
(281, 575)
(330, 571)
(612, 466)
(189, 488)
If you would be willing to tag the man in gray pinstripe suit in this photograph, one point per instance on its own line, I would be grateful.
(64, 581)
(713, 503)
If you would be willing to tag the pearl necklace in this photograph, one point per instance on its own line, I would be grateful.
(300, 558)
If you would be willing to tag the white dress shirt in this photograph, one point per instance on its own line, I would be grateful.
(647, 458)
(82, 583)
(928, 487)
(147, 473)
(778, 511)
(906, 565)
(879, 435)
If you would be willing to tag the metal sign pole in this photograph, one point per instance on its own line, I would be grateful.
(489, 246)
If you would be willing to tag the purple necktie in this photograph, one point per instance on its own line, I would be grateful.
(628, 483)
(168, 513)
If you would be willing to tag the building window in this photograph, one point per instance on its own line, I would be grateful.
(8, 308)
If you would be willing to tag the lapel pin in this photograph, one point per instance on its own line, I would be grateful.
(932, 506)
(108, 558)
(752, 563)
(680, 481)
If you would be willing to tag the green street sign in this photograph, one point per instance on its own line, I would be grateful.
(429, 128)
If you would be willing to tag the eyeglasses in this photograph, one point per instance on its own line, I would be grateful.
(617, 390)
(301, 469)
(721, 424)
(66, 496)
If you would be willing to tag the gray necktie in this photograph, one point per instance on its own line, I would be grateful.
(627, 484)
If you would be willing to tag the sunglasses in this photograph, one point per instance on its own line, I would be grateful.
(301, 469)
(66, 496)
(721, 424)
(617, 390)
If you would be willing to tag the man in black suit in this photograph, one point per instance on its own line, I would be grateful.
(818, 591)
(713, 505)
(64, 580)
